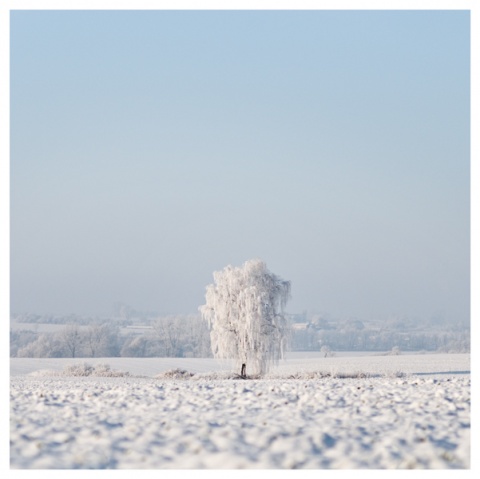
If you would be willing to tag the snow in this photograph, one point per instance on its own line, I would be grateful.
(375, 412)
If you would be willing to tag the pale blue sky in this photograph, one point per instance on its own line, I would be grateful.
(149, 149)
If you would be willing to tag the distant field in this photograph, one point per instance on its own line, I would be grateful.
(368, 363)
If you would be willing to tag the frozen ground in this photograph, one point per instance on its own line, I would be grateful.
(407, 411)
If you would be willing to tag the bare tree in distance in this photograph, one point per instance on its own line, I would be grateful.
(71, 339)
(169, 332)
(245, 312)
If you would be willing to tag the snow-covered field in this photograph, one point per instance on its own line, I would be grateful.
(406, 411)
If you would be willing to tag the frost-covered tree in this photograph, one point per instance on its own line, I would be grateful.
(72, 339)
(95, 338)
(20, 339)
(169, 333)
(326, 351)
(245, 312)
(47, 345)
(135, 347)
(181, 336)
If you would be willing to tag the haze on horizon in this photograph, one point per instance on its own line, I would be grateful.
(151, 148)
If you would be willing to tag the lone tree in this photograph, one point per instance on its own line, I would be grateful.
(245, 312)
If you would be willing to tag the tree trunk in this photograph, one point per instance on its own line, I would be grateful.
(244, 371)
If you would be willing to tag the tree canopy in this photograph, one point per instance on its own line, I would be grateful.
(245, 312)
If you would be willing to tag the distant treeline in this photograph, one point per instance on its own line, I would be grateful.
(173, 336)
(188, 336)
(404, 334)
